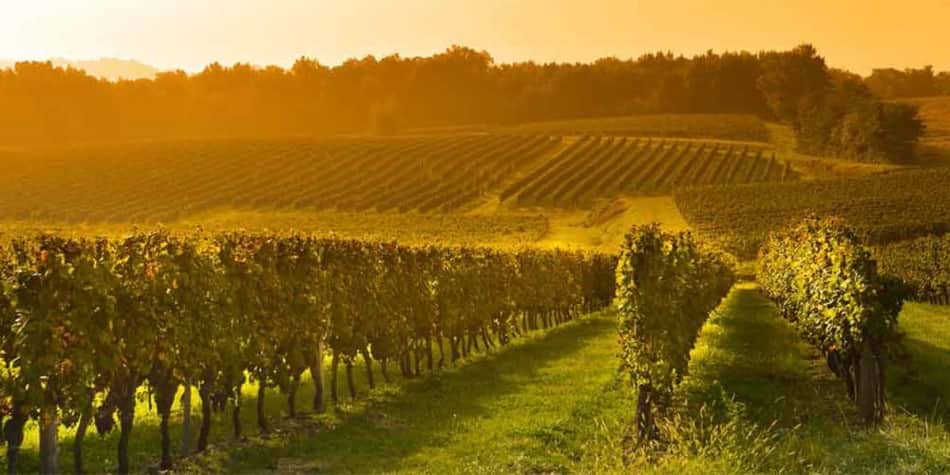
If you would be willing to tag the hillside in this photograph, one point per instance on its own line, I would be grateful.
(883, 207)
(711, 126)
(493, 185)
(935, 112)
(172, 181)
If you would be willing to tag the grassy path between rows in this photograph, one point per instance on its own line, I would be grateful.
(522, 409)
(759, 400)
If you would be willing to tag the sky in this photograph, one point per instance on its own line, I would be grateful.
(188, 34)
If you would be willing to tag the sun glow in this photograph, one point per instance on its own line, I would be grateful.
(189, 35)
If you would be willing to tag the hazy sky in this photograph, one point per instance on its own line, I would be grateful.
(856, 34)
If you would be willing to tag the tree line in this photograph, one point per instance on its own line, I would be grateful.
(86, 323)
(46, 104)
(890, 83)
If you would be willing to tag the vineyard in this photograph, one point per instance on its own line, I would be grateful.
(594, 167)
(507, 231)
(699, 126)
(371, 274)
(427, 174)
(165, 181)
(882, 208)
(88, 322)
(922, 264)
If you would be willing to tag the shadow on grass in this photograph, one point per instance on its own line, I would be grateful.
(746, 350)
(481, 375)
(749, 355)
(428, 412)
(920, 382)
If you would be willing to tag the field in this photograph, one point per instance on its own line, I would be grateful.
(935, 112)
(708, 126)
(599, 167)
(498, 230)
(884, 207)
(170, 182)
(756, 399)
(162, 182)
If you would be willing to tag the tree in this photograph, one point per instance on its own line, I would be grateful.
(793, 80)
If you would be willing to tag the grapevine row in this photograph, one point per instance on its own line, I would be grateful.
(667, 285)
(922, 264)
(881, 208)
(602, 167)
(87, 322)
(827, 285)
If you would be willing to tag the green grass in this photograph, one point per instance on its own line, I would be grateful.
(100, 451)
(920, 381)
(758, 400)
(528, 408)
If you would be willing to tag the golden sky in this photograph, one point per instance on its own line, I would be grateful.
(854, 34)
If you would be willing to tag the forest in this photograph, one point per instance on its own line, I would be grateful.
(833, 111)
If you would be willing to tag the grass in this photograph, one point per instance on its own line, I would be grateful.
(500, 413)
(100, 451)
(408, 422)
(920, 382)
(758, 400)
(603, 228)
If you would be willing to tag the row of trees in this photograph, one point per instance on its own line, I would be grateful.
(827, 285)
(892, 83)
(667, 285)
(834, 112)
(44, 104)
(87, 323)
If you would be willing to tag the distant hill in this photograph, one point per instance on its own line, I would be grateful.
(111, 69)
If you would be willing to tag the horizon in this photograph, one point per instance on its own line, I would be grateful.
(503, 236)
(176, 35)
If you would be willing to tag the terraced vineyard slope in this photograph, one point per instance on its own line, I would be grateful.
(594, 167)
(164, 181)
